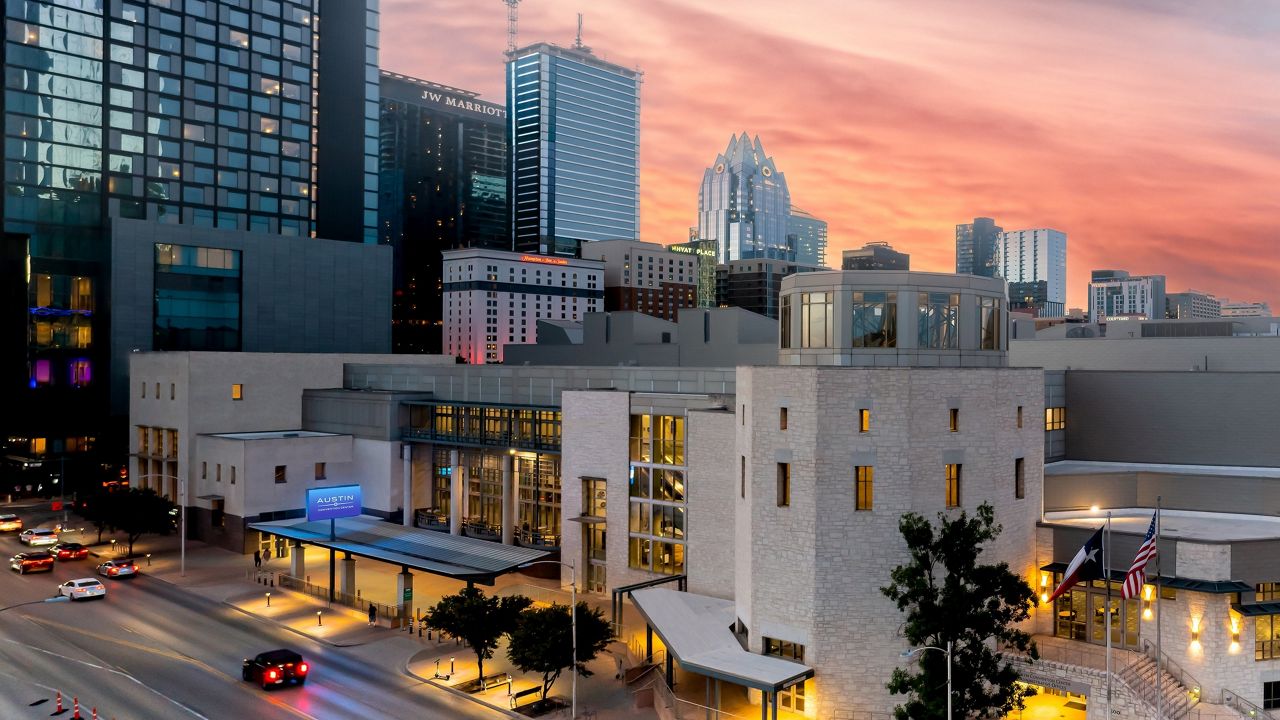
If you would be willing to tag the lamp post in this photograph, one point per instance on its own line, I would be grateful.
(573, 625)
(947, 652)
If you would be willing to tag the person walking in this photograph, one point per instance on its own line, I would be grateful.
(257, 558)
(373, 614)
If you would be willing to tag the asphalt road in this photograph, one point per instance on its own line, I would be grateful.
(152, 650)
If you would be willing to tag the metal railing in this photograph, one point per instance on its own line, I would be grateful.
(390, 613)
(1172, 668)
(431, 519)
(1233, 700)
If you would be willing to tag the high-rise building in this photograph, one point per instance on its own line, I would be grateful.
(645, 277)
(744, 205)
(875, 256)
(1030, 257)
(444, 186)
(574, 123)
(131, 129)
(807, 237)
(1245, 309)
(1192, 305)
(493, 298)
(754, 284)
(976, 247)
(1117, 295)
(705, 251)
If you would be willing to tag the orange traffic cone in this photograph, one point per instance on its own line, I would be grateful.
(75, 702)
(59, 708)
(95, 714)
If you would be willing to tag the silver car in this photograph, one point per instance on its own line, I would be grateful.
(118, 568)
(38, 536)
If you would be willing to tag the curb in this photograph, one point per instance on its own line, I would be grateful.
(455, 691)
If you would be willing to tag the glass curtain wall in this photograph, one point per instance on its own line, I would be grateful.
(937, 323)
(875, 319)
(657, 497)
(538, 513)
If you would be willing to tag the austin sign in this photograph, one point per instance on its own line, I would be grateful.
(328, 503)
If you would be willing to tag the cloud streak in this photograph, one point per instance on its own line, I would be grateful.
(1145, 130)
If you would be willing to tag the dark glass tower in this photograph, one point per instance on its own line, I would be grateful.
(976, 247)
(444, 186)
(203, 113)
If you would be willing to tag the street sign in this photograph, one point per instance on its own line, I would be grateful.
(408, 594)
(327, 503)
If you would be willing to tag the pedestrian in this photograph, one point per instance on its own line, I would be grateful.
(266, 554)
(617, 664)
(257, 558)
(373, 614)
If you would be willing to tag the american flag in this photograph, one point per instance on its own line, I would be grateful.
(1137, 575)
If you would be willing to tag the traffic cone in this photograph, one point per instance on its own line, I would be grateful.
(75, 702)
(58, 710)
(95, 714)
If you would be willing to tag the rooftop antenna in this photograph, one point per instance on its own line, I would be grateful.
(577, 42)
(513, 9)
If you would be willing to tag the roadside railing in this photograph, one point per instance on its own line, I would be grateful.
(389, 613)
(1233, 700)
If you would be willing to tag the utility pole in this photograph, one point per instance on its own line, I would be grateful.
(513, 9)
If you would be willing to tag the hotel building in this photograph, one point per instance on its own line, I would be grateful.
(646, 277)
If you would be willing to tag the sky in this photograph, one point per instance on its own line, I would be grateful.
(1147, 130)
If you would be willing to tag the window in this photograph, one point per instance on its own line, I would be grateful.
(864, 482)
(157, 391)
(784, 484)
(217, 473)
(1266, 634)
(233, 474)
(953, 486)
(144, 391)
(954, 421)
(1019, 416)
(1266, 592)
(816, 326)
(204, 471)
(320, 471)
(864, 420)
(1019, 479)
(1271, 695)
(875, 319)
(237, 392)
(742, 477)
(784, 317)
(173, 391)
(791, 697)
(990, 323)
(936, 322)
(281, 474)
(1055, 419)
(782, 418)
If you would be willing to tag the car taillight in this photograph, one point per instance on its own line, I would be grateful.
(134, 568)
(113, 571)
(302, 669)
(272, 674)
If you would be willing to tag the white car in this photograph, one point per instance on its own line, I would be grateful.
(118, 568)
(83, 589)
(38, 536)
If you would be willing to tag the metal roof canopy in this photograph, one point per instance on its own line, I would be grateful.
(695, 629)
(1216, 587)
(430, 551)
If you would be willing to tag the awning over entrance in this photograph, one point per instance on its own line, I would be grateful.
(695, 629)
(1216, 587)
(429, 551)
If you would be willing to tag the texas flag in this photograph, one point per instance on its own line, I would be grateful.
(1086, 565)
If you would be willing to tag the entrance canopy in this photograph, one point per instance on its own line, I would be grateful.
(429, 551)
(695, 629)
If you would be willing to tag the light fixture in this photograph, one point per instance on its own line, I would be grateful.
(1195, 632)
(1146, 602)
(1093, 508)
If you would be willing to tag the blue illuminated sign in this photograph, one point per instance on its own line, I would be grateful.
(328, 503)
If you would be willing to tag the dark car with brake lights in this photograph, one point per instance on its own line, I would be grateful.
(275, 668)
(32, 562)
(118, 568)
(69, 551)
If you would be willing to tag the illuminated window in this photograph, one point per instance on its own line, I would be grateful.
(38, 445)
(80, 373)
(954, 421)
(953, 486)
(320, 474)
(865, 483)
(864, 420)
(281, 476)
(237, 391)
(784, 484)
(1055, 418)
(1019, 416)
(782, 418)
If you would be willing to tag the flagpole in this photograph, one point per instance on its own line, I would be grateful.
(1159, 612)
(1106, 577)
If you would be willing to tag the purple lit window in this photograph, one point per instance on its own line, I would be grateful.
(80, 372)
(40, 374)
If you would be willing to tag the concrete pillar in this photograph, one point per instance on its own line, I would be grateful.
(775, 705)
(671, 672)
(406, 464)
(648, 643)
(347, 575)
(456, 490)
(298, 561)
(404, 591)
(508, 499)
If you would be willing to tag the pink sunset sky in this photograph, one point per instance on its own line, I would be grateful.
(1147, 130)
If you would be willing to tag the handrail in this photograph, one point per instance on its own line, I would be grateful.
(1232, 699)
(1182, 676)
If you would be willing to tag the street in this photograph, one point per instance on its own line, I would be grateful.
(153, 650)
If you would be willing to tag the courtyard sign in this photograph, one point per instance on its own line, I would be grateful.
(329, 503)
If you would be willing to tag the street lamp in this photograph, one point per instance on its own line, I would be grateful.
(947, 651)
(268, 599)
(573, 620)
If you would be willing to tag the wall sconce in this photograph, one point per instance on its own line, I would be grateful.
(1147, 592)
(1044, 586)
(1093, 508)
(1195, 632)
(1235, 634)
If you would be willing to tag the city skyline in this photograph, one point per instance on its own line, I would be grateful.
(882, 128)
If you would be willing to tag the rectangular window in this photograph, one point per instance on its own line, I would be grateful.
(953, 486)
(1019, 416)
(742, 477)
(144, 391)
(875, 319)
(1266, 633)
(816, 326)
(217, 473)
(865, 483)
(938, 314)
(1266, 592)
(954, 422)
(320, 471)
(990, 323)
(204, 471)
(1055, 418)
(784, 318)
(281, 476)
(1271, 695)
(1019, 479)
(782, 418)
(237, 392)
(233, 474)
(173, 391)
(784, 484)
(864, 420)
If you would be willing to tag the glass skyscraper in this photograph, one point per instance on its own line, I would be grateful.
(200, 113)
(444, 187)
(976, 247)
(575, 138)
(807, 237)
(744, 205)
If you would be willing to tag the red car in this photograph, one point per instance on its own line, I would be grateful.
(31, 562)
(69, 551)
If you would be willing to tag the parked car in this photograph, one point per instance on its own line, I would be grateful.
(118, 568)
(83, 589)
(69, 551)
(10, 522)
(31, 562)
(38, 536)
(275, 668)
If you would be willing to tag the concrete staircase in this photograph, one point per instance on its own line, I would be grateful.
(1178, 692)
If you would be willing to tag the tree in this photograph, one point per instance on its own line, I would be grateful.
(480, 620)
(542, 641)
(97, 511)
(948, 596)
(137, 512)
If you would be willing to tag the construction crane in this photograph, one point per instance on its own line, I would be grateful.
(513, 9)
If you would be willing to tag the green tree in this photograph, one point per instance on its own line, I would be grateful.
(480, 620)
(97, 511)
(948, 595)
(137, 512)
(542, 641)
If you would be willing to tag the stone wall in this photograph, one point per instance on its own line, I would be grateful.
(711, 486)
